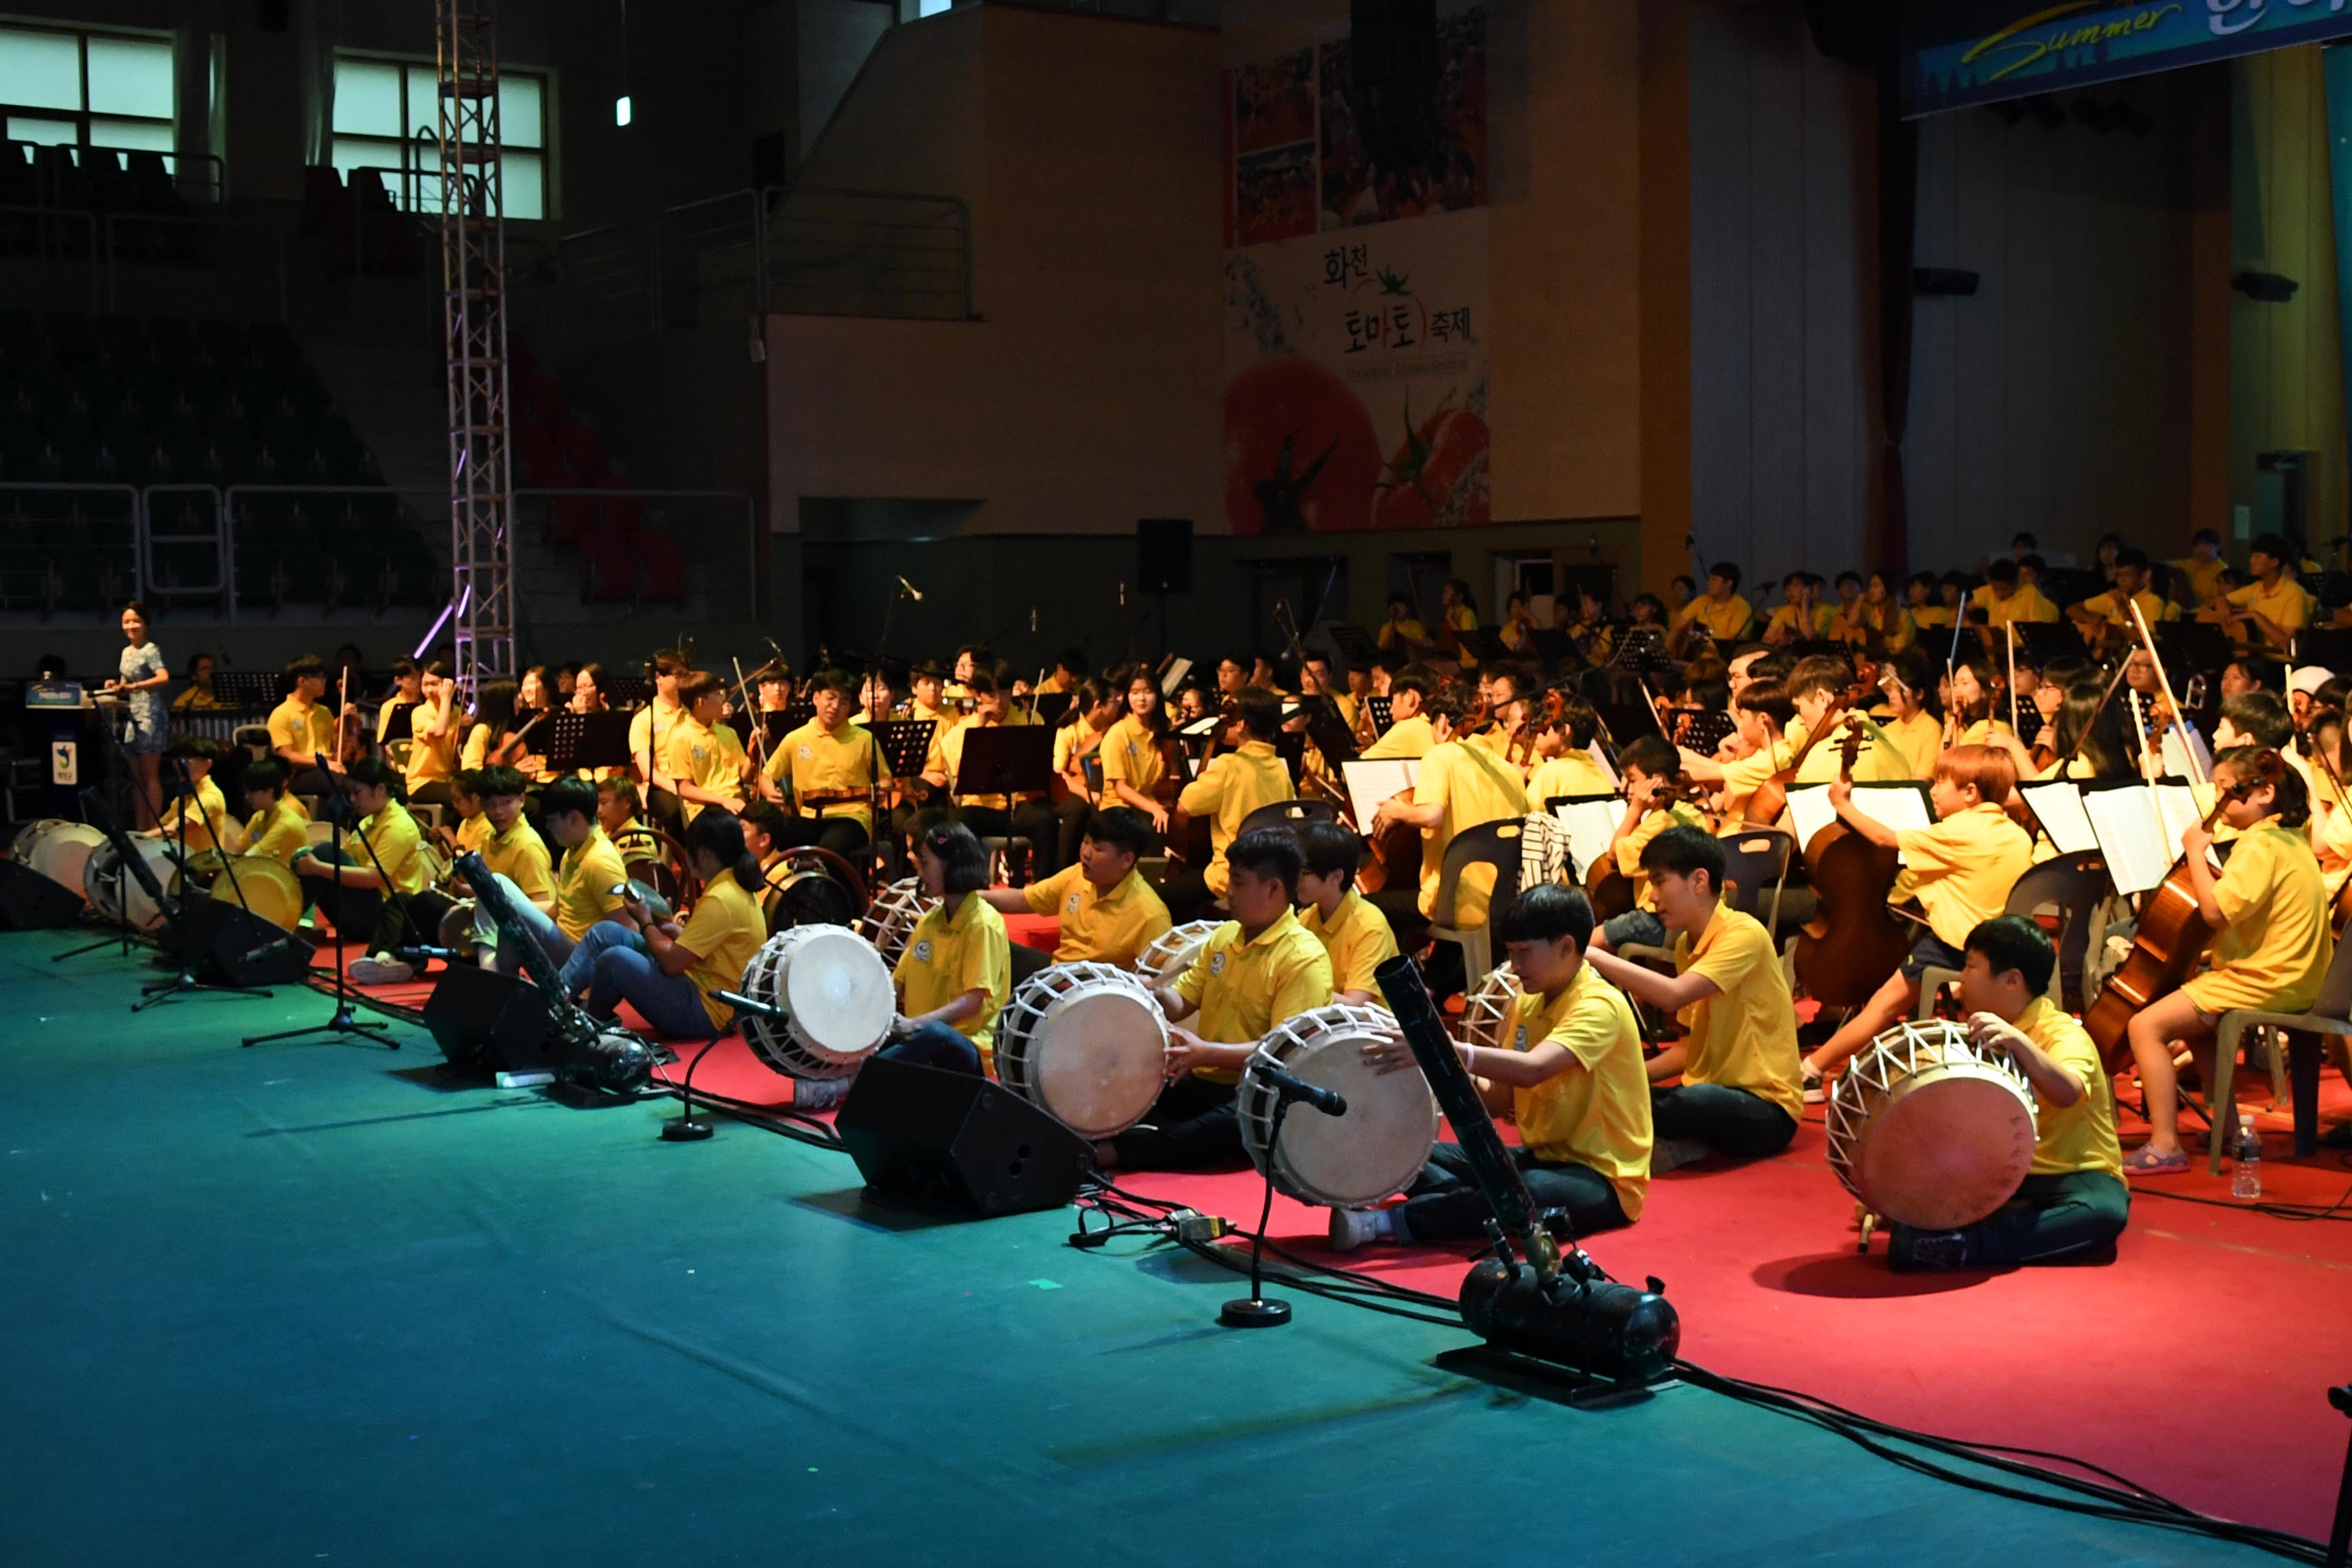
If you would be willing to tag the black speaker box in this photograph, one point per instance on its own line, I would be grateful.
(489, 1023)
(1163, 554)
(228, 943)
(956, 1140)
(1393, 80)
(30, 902)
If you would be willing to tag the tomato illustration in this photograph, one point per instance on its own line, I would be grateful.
(1301, 454)
(1440, 467)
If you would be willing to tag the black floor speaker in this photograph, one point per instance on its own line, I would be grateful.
(489, 1023)
(224, 942)
(30, 902)
(948, 1138)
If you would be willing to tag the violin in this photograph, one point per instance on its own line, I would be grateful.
(2172, 934)
(1854, 939)
(1609, 890)
(1772, 796)
(1392, 856)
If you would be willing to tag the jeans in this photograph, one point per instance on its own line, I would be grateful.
(1637, 928)
(1191, 1127)
(936, 1046)
(614, 964)
(1445, 1205)
(1728, 1120)
(368, 915)
(2050, 1219)
(495, 951)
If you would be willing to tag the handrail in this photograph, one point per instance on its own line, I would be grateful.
(220, 181)
(221, 539)
(131, 515)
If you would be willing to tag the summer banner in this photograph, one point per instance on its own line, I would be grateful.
(1356, 379)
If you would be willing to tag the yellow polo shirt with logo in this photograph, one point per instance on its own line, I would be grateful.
(948, 955)
(2027, 604)
(2276, 948)
(1595, 1114)
(1676, 814)
(2109, 607)
(520, 855)
(1130, 755)
(1099, 927)
(1243, 986)
(584, 882)
(1743, 1037)
(707, 757)
(1812, 627)
(1474, 789)
(814, 760)
(399, 844)
(1880, 761)
(1568, 774)
(1408, 738)
(724, 932)
(2285, 604)
(649, 730)
(1357, 940)
(431, 759)
(305, 727)
(1920, 739)
(207, 825)
(1234, 784)
(2081, 1136)
(472, 831)
(2204, 577)
(277, 832)
(1725, 621)
(1962, 868)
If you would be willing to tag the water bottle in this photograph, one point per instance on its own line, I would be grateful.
(2247, 1184)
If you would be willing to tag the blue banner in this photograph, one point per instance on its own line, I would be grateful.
(1959, 52)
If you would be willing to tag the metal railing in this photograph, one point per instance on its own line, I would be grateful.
(61, 556)
(212, 172)
(696, 522)
(804, 250)
(251, 255)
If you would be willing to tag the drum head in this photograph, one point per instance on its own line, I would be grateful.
(1377, 1149)
(269, 890)
(1097, 1060)
(457, 926)
(1948, 1147)
(59, 850)
(811, 896)
(1173, 951)
(837, 992)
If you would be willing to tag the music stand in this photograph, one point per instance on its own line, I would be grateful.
(577, 742)
(2046, 640)
(401, 726)
(1290, 745)
(906, 744)
(1007, 760)
(1487, 643)
(1552, 646)
(1050, 706)
(1383, 712)
(1643, 652)
(1355, 647)
(2330, 647)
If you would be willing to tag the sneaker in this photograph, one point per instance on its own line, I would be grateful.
(1672, 1153)
(814, 1094)
(1352, 1228)
(1816, 1093)
(381, 969)
(1910, 1251)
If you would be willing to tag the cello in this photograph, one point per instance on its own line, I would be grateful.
(1854, 939)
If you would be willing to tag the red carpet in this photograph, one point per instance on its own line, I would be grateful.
(2197, 1363)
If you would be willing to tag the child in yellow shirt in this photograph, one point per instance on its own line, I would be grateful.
(956, 973)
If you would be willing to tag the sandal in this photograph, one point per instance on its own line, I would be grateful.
(2146, 1162)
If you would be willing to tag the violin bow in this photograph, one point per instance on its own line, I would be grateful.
(753, 720)
(2164, 681)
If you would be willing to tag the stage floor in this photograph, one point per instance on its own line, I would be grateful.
(305, 1303)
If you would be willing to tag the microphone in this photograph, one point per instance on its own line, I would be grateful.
(746, 1004)
(1291, 1087)
(912, 592)
(268, 949)
(419, 954)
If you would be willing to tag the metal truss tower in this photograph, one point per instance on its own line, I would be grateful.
(474, 318)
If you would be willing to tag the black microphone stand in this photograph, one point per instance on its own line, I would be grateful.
(89, 794)
(183, 792)
(1256, 1311)
(345, 1021)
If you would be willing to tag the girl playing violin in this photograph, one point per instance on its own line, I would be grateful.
(2269, 913)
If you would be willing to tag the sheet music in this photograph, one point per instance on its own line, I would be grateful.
(1171, 683)
(1200, 726)
(1369, 783)
(2057, 805)
(2140, 838)
(1601, 759)
(1590, 824)
(2178, 800)
(1902, 805)
(2186, 753)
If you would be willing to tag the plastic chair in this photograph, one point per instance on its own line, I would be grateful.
(254, 739)
(1494, 843)
(2330, 1014)
(2075, 883)
(1291, 813)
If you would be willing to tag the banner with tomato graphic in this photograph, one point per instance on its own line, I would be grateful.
(1356, 379)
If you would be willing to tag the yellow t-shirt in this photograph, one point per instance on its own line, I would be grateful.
(1880, 761)
(304, 727)
(584, 883)
(393, 835)
(1676, 814)
(1357, 940)
(1920, 739)
(1099, 927)
(1784, 623)
(814, 760)
(1726, 620)
(709, 757)
(1570, 774)
(2109, 607)
(1244, 987)
(279, 831)
(1074, 743)
(1745, 1036)
(2276, 948)
(724, 932)
(1891, 621)
(649, 731)
(2204, 577)
(1464, 619)
(431, 759)
(1743, 776)
(1407, 738)
(1131, 755)
(472, 833)
(2081, 1136)
(1933, 617)
(520, 855)
(1234, 784)
(209, 824)
(2026, 604)
(1472, 788)
(1962, 870)
(1597, 1112)
(1401, 636)
(2285, 604)
(946, 957)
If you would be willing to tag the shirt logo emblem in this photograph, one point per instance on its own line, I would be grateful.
(923, 951)
(1216, 964)
(1519, 1041)
(1072, 904)
(805, 751)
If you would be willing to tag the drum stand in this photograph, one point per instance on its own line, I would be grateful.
(344, 1022)
(185, 983)
(1255, 1311)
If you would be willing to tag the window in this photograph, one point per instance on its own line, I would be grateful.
(388, 119)
(107, 93)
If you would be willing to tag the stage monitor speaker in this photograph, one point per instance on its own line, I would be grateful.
(30, 902)
(957, 1140)
(489, 1023)
(1393, 80)
(233, 946)
(1163, 554)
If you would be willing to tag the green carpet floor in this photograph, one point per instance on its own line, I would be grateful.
(303, 1304)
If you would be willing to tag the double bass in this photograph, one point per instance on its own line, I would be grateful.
(1854, 939)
